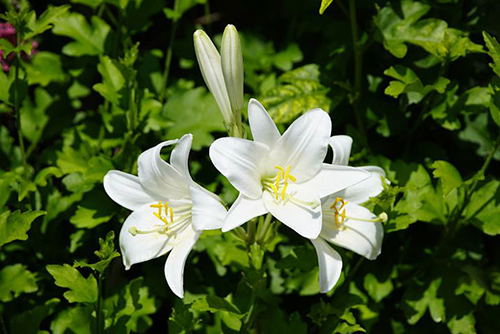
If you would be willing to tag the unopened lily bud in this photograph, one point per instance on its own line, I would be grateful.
(232, 66)
(211, 70)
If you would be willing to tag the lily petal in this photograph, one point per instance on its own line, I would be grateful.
(303, 219)
(341, 146)
(179, 158)
(330, 265)
(303, 146)
(142, 247)
(370, 187)
(263, 128)
(208, 213)
(174, 267)
(333, 178)
(158, 176)
(126, 190)
(240, 161)
(363, 238)
(242, 210)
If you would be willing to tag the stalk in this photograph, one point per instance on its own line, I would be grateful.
(18, 111)
(168, 57)
(358, 67)
(99, 321)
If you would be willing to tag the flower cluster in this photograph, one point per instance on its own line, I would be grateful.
(281, 174)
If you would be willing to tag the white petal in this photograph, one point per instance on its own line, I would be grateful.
(174, 267)
(263, 128)
(211, 69)
(159, 177)
(333, 178)
(126, 190)
(341, 146)
(242, 210)
(330, 265)
(142, 247)
(363, 238)
(370, 187)
(180, 155)
(303, 146)
(208, 212)
(303, 219)
(240, 161)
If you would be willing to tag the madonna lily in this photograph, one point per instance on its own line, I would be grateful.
(169, 209)
(282, 174)
(345, 222)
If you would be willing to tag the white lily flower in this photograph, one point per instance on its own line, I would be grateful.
(282, 174)
(169, 209)
(345, 222)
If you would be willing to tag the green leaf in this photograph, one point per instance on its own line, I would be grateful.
(44, 174)
(30, 321)
(299, 91)
(90, 3)
(376, 289)
(193, 111)
(15, 280)
(449, 175)
(75, 319)
(81, 290)
(44, 68)
(214, 304)
(408, 83)
(476, 131)
(106, 253)
(45, 21)
(132, 307)
(95, 209)
(116, 78)
(89, 40)
(483, 208)
(415, 307)
(33, 115)
(401, 24)
(324, 5)
(6, 47)
(15, 225)
(493, 51)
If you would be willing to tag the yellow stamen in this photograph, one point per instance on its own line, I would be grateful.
(338, 211)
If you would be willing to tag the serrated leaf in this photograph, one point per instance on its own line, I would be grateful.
(45, 21)
(76, 319)
(44, 68)
(81, 290)
(88, 39)
(16, 280)
(376, 289)
(194, 111)
(299, 91)
(15, 225)
(493, 51)
(476, 131)
(449, 175)
(483, 208)
(214, 304)
(116, 78)
(403, 24)
(95, 209)
(410, 84)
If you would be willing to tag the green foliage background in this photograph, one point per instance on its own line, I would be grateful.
(408, 80)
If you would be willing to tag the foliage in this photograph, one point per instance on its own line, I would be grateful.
(92, 83)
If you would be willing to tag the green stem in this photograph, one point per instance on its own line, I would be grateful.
(18, 111)
(168, 57)
(99, 321)
(2, 323)
(264, 227)
(358, 68)
(208, 18)
(251, 233)
(133, 108)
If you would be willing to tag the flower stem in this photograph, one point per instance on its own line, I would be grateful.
(358, 67)
(18, 110)
(263, 228)
(251, 233)
(99, 321)
(168, 57)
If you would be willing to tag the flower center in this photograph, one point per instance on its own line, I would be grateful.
(339, 213)
(278, 184)
(170, 225)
